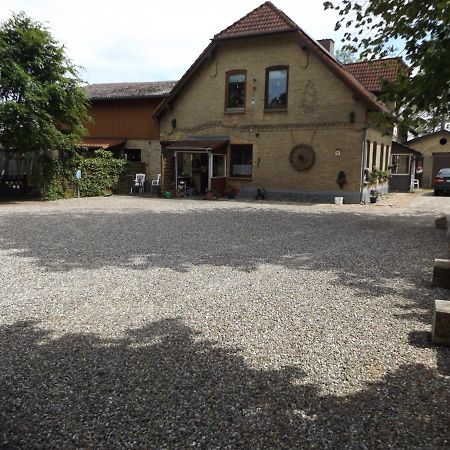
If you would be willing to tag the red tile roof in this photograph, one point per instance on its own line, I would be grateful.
(371, 73)
(265, 19)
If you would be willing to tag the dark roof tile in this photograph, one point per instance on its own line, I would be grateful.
(371, 73)
(262, 20)
(105, 91)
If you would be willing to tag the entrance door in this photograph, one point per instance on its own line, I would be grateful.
(200, 167)
(218, 170)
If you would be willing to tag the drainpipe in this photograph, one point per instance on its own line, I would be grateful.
(210, 170)
(176, 172)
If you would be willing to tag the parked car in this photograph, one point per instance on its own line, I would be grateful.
(441, 182)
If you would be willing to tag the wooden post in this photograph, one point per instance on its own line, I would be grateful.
(441, 322)
(441, 273)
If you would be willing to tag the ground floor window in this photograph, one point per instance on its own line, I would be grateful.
(367, 153)
(401, 164)
(132, 154)
(218, 169)
(241, 158)
(374, 156)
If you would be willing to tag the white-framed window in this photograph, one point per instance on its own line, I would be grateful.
(218, 166)
(400, 164)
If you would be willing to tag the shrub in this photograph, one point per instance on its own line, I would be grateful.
(100, 172)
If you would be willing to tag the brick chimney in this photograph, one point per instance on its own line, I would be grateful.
(327, 44)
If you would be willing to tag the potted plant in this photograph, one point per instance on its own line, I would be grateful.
(373, 195)
(231, 192)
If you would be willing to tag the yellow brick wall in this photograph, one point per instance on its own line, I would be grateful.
(319, 105)
(427, 146)
(150, 155)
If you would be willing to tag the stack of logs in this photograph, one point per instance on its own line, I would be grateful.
(441, 278)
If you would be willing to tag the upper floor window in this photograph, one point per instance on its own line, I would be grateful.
(235, 90)
(277, 87)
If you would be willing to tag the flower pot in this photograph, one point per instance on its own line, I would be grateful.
(373, 199)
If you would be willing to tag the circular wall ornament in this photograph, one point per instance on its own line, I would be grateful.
(302, 157)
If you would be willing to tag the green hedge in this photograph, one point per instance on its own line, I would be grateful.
(100, 173)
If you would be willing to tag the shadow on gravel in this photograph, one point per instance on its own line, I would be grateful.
(367, 252)
(162, 386)
(422, 339)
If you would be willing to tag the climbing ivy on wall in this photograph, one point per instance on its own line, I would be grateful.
(100, 172)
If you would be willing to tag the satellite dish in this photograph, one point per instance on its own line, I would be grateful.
(302, 157)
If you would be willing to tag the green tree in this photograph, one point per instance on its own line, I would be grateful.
(42, 102)
(373, 27)
(344, 56)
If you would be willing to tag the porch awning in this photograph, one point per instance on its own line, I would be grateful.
(197, 145)
(103, 143)
(401, 148)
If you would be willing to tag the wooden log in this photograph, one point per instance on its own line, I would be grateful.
(441, 322)
(441, 273)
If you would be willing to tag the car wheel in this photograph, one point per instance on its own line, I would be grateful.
(436, 192)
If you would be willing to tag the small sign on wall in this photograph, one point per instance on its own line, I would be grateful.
(337, 152)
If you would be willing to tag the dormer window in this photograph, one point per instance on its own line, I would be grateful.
(277, 88)
(235, 91)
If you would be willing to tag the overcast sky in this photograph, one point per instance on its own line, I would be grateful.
(143, 40)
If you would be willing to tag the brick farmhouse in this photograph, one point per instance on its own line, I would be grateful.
(267, 107)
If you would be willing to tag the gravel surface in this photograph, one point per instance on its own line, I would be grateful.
(133, 322)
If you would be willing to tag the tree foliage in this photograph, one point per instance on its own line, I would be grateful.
(345, 56)
(374, 27)
(42, 103)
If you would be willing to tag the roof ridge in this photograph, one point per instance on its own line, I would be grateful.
(290, 24)
(282, 14)
(131, 82)
(368, 61)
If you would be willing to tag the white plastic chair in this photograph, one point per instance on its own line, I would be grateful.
(181, 188)
(138, 183)
(155, 182)
(416, 184)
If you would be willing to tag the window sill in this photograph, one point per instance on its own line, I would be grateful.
(235, 111)
(269, 110)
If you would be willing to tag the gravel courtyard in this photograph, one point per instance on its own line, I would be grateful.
(149, 323)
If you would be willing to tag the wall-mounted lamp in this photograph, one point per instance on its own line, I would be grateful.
(174, 123)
